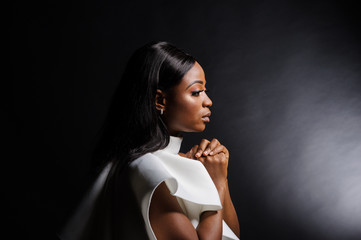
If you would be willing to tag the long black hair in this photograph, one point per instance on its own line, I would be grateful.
(133, 125)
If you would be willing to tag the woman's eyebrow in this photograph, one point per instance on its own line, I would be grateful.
(196, 81)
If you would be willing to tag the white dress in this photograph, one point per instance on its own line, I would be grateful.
(186, 179)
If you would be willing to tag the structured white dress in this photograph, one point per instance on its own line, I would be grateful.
(186, 179)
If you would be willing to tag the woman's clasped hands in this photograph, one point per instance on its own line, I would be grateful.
(214, 156)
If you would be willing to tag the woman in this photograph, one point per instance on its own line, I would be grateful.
(179, 196)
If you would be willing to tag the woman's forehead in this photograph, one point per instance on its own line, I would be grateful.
(194, 76)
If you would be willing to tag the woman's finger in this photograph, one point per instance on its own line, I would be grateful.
(214, 143)
(188, 154)
(192, 152)
(201, 159)
(202, 146)
(218, 149)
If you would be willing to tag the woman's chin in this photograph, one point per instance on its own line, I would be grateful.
(201, 128)
(197, 128)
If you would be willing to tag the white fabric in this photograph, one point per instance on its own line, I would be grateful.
(186, 179)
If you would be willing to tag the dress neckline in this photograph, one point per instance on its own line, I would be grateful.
(174, 145)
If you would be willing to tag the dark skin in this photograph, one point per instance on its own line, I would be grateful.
(186, 109)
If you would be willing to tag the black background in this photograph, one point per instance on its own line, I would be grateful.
(285, 80)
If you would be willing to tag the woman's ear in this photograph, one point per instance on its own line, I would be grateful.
(160, 100)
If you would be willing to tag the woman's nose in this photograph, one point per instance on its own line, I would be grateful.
(207, 102)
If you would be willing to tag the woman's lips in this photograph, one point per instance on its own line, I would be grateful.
(205, 118)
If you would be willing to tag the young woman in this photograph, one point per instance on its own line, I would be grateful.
(178, 195)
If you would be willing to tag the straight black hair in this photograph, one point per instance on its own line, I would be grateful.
(133, 126)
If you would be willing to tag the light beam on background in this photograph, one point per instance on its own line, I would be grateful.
(314, 153)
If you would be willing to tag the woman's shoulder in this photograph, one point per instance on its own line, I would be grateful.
(146, 161)
(148, 170)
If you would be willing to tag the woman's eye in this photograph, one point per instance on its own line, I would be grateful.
(196, 93)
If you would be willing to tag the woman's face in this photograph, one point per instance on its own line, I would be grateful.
(187, 104)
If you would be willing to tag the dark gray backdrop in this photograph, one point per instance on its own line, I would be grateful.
(285, 83)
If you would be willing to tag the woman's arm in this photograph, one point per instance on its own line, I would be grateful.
(206, 152)
(230, 215)
(168, 221)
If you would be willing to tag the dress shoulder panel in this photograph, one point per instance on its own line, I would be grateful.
(185, 178)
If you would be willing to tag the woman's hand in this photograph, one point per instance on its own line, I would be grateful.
(214, 157)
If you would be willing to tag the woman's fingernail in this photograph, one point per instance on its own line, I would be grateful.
(211, 153)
